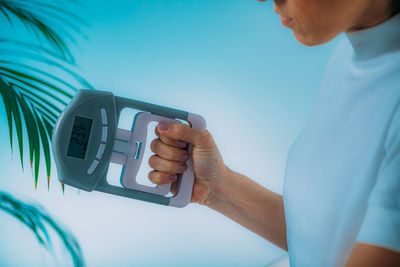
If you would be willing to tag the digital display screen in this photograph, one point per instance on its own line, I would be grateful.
(79, 137)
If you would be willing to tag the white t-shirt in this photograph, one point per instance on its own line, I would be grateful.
(342, 182)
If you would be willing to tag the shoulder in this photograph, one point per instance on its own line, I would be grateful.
(337, 64)
(341, 52)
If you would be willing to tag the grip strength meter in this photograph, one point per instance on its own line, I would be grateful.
(86, 139)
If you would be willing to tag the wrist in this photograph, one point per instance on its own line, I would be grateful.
(221, 190)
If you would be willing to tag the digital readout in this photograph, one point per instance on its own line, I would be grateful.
(79, 137)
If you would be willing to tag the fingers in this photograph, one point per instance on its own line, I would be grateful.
(167, 163)
(182, 132)
(169, 141)
(162, 177)
(167, 166)
(170, 157)
(168, 152)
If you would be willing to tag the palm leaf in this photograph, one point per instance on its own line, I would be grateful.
(43, 109)
(45, 143)
(40, 55)
(34, 97)
(40, 223)
(37, 16)
(32, 123)
(30, 80)
(13, 116)
(36, 71)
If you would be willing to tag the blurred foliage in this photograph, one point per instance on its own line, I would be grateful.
(40, 222)
(34, 96)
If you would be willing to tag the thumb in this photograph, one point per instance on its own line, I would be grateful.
(183, 132)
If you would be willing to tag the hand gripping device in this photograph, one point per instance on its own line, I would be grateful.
(86, 139)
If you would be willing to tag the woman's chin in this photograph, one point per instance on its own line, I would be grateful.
(310, 40)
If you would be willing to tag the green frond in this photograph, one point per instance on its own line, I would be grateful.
(50, 21)
(49, 124)
(46, 58)
(40, 223)
(42, 108)
(39, 98)
(35, 22)
(34, 97)
(28, 86)
(22, 77)
(13, 116)
(36, 71)
(45, 145)
(33, 135)
(6, 15)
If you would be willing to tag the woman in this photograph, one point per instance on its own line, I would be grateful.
(342, 184)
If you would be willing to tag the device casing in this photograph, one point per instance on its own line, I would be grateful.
(75, 172)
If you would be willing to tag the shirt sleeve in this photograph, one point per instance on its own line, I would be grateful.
(381, 224)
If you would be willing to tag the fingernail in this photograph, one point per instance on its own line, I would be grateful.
(162, 126)
(181, 144)
(185, 156)
(182, 167)
(173, 178)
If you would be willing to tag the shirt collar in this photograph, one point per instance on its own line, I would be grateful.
(377, 40)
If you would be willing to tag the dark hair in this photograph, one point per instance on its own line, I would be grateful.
(395, 6)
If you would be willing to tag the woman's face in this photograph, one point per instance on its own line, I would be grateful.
(316, 22)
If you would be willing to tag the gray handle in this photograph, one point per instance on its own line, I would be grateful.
(185, 188)
(185, 183)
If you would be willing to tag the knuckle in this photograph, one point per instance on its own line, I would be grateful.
(153, 145)
(170, 166)
(164, 178)
(165, 151)
(180, 129)
(207, 133)
(154, 177)
(166, 165)
(173, 166)
(160, 178)
(152, 161)
(164, 140)
(151, 176)
(208, 137)
(204, 137)
(169, 153)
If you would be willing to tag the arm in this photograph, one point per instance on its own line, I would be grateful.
(216, 186)
(251, 205)
(373, 256)
(378, 240)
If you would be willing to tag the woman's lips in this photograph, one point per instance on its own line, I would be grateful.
(286, 21)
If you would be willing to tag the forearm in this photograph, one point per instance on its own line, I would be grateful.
(251, 205)
(370, 255)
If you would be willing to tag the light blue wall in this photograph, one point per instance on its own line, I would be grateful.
(230, 61)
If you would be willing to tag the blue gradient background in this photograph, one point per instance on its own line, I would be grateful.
(230, 61)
